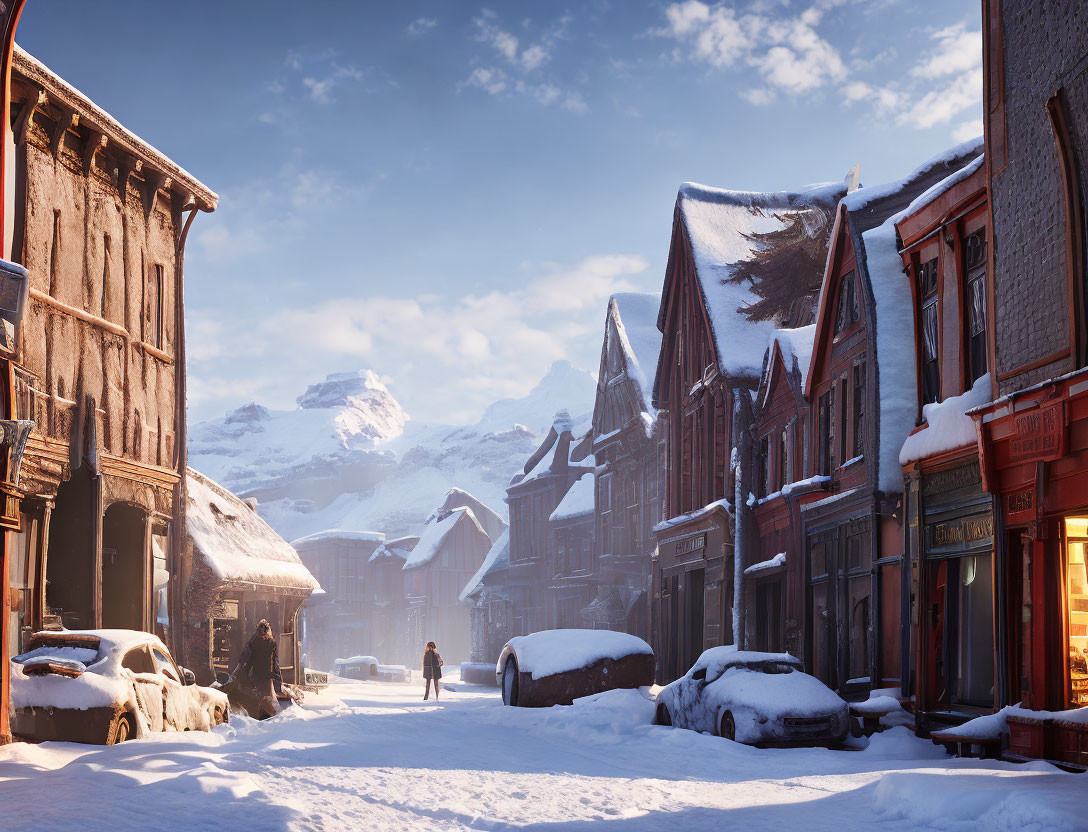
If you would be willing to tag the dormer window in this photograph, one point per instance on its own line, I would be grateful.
(848, 304)
(931, 370)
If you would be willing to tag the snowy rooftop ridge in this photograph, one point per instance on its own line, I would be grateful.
(236, 543)
(27, 65)
(578, 501)
(400, 547)
(492, 524)
(635, 318)
(339, 534)
(796, 346)
(497, 558)
(436, 531)
(724, 227)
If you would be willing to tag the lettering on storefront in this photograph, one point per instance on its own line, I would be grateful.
(692, 544)
(961, 533)
(1038, 434)
(1020, 505)
(951, 479)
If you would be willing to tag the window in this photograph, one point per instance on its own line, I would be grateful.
(165, 664)
(155, 312)
(764, 465)
(785, 476)
(138, 661)
(848, 304)
(859, 408)
(844, 422)
(975, 263)
(1076, 544)
(604, 511)
(827, 431)
(931, 371)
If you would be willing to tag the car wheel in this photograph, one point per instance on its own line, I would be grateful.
(510, 682)
(662, 716)
(728, 728)
(121, 730)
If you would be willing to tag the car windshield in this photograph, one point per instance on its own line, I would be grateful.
(84, 655)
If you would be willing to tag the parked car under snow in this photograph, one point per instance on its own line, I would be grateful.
(754, 698)
(555, 667)
(105, 687)
(369, 668)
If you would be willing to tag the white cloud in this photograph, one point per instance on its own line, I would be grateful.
(957, 51)
(489, 79)
(967, 130)
(941, 105)
(760, 96)
(421, 25)
(430, 344)
(506, 44)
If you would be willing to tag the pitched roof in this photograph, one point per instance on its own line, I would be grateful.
(492, 524)
(338, 534)
(436, 531)
(634, 316)
(497, 559)
(728, 229)
(577, 502)
(238, 546)
(399, 547)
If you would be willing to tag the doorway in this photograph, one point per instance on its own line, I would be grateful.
(124, 533)
(70, 564)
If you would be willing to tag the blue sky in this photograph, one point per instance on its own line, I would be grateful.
(448, 192)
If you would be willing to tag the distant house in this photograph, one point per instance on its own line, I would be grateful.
(629, 452)
(533, 495)
(242, 571)
(385, 597)
(488, 519)
(338, 624)
(451, 548)
(489, 603)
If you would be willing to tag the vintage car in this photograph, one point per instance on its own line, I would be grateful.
(754, 698)
(555, 667)
(105, 687)
(369, 668)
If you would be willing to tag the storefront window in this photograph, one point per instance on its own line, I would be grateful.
(1076, 537)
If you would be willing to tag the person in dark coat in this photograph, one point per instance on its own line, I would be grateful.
(261, 663)
(432, 669)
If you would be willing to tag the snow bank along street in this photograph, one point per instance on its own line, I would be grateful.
(374, 756)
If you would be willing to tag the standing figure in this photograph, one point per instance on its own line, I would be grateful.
(432, 669)
(261, 663)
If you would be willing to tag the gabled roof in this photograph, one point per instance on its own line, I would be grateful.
(496, 560)
(238, 546)
(399, 547)
(793, 349)
(492, 524)
(434, 535)
(559, 452)
(578, 501)
(634, 318)
(731, 234)
(869, 216)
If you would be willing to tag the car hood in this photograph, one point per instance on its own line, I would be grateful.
(774, 695)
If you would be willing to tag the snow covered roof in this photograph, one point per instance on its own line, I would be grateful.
(724, 228)
(238, 546)
(578, 501)
(338, 534)
(796, 348)
(497, 559)
(492, 524)
(435, 533)
(947, 424)
(634, 315)
(400, 547)
(90, 114)
(872, 214)
(946, 184)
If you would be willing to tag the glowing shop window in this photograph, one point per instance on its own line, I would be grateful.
(1076, 534)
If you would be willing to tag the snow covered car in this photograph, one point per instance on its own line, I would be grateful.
(555, 667)
(105, 687)
(369, 668)
(754, 698)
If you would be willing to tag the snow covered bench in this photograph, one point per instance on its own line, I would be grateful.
(965, 745)
(555, 667)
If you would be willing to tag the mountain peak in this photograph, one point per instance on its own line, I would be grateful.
(340, 389)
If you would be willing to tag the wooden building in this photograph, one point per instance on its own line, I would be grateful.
(1033, 437)
(572, 570)
(862, 387)
(385, 594)
(451, 548)
(948, 633)
(775, 584)
(100, 220)
(242, 572)
(739, 265)
(629, 452)
(337, 624)
(490, 607)
(533, 495)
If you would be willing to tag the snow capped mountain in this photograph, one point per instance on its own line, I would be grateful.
(349, 458)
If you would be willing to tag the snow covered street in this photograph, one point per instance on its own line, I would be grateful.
(366, 755)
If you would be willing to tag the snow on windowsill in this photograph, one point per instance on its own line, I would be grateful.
(694, 515)
(947, 424)
(773, 563)
(789, 488)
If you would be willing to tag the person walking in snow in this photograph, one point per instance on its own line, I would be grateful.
(432, 669)
(261, 663)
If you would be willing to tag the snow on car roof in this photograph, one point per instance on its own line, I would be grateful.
(556, 651)
(728, 655)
